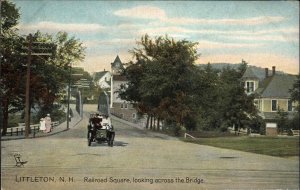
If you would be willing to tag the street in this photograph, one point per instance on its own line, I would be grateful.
(140, 159)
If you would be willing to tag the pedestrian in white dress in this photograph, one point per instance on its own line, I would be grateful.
(42, 125)
(48, 123)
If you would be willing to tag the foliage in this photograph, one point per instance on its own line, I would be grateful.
(293, 123)
(9, 16)
(159, 78)
(282, 120)
(164, 82)
(10, 72)
(56, 112)
(257, 125)
(295, 92)
(45, 71)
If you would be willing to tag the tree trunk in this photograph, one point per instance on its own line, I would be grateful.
(154, 126)
(5, 116)
(147, 124)
(151, 121)
(158, 127)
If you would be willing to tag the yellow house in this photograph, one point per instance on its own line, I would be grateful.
(272, 91)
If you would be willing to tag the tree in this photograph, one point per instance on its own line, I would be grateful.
(11, 73)
(282, 120)
(159, 78)
(237, 107)
(295, 92)
(47, 72)
(9, 16)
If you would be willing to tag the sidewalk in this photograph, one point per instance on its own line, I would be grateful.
(58, 129)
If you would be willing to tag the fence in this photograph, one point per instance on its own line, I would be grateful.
(20, 130)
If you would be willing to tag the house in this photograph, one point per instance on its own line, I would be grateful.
(102, 79)
(119, 107)
(272, 92)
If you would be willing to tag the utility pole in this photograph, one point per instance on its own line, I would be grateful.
(30, 53)
(69, 94)
(27, 104)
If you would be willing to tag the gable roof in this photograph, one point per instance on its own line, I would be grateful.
(249, 74)
(276, 86)
(99, 75)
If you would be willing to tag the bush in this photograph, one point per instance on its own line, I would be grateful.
(257, 125)
(56, 113)
(294, 122)
(13, 120)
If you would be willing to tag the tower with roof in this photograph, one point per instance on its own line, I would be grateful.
(117, 66)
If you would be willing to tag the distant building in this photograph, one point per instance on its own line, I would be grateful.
(102, 79)
(119, 107)
(117, 66)
(272, 92)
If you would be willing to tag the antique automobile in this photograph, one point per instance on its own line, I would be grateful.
(100, 130)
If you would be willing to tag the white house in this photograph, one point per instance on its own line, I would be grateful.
(119, 107)
(103, 79)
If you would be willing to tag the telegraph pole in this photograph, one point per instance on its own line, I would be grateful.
(30, 53)
(27, 104)
(69, 94)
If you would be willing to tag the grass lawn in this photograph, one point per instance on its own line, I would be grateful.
(273, 146)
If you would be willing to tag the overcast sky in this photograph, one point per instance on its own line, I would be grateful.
(262, 33)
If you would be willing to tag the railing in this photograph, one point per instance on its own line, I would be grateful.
(20, 130)
(295, 132)
(239, 131)
(188, 135)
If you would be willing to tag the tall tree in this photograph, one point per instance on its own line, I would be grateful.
(47, 72)
(10, 71)
(238, 108)
(161, 90)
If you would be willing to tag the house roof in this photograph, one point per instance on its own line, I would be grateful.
(249, 74)
(99, 75)
(276, 86)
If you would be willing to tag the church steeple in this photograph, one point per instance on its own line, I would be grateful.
(117, 65)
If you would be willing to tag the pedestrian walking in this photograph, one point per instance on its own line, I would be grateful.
(42, 125)
(48, 123)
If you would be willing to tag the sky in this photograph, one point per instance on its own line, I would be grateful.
(263, 33)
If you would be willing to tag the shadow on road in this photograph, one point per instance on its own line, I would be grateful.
(116, 143)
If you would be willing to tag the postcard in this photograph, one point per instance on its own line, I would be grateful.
(149, 94)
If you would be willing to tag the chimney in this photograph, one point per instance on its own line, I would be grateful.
(273, 70)
(267, 72)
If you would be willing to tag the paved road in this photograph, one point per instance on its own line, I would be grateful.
(139, 160)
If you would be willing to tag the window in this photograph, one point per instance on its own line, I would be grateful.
(122, 106)
(126, 106)
(133, 116)
(249, 86)
(290, 105)
(274, 105)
